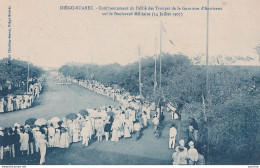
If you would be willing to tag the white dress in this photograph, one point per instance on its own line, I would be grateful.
(57, 138)
(24, 140)
(115, 137)
(126, 132)
(64, 140)
(51, 133)
(42, 145)
(75, 132)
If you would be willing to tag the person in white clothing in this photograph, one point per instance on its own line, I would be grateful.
(64, 138)
(172, 136)
(51, 133)
(56, 142)
(86, 133)
(155, 122)
(192, 154)
(181, 143)
(75, 131)
(24, 140)
(138, 128)
(37, 136)
(42, 145)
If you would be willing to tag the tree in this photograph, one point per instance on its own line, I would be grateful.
(257, 48)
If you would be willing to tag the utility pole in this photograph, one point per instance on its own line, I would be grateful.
(140, 77)
(91, 66)
(155, 59)
(207, 78)
(160, 84)
(28, 70)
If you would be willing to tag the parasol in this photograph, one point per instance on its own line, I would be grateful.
(40, 122)
(30, 121)
(110, 113)
(71, 116)
(84, 112)
(55, 119)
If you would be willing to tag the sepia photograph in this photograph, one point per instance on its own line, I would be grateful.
(130, 82)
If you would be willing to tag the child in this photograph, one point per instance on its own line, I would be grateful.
(100, 131)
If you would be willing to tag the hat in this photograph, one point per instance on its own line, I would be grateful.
(16, 125)
(182, 142)
(1, 129)
(26, 126)
(191, 144)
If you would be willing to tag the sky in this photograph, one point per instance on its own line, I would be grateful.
(50, 37)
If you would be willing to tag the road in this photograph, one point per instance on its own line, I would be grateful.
(57, 100)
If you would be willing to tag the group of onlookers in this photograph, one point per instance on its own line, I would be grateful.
(125, 98)
(113, 123)
(182, 156)
(110, 122)
(22, 140)
(21, 101)
(187, 156)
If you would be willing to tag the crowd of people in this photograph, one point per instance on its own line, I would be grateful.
(21, 101)
(113, 123)
(183, 155)
(192, 157)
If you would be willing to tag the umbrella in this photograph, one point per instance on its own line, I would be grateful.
(30, 121)
(40, 122)
(71, 116)
(110, 113)
(55, 119)
(84, 112)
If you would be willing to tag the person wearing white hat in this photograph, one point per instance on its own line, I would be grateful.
(37, 137)
(193, 154)
(172, 136)
(57, 138)
(64, 138)
(86, 133)
(180, 157)
(156, 122)
(42, 145)
(181, 143)
(51, 133)
(24, 141)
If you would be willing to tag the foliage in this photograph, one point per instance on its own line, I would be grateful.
(230, 118)
(16, 72)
